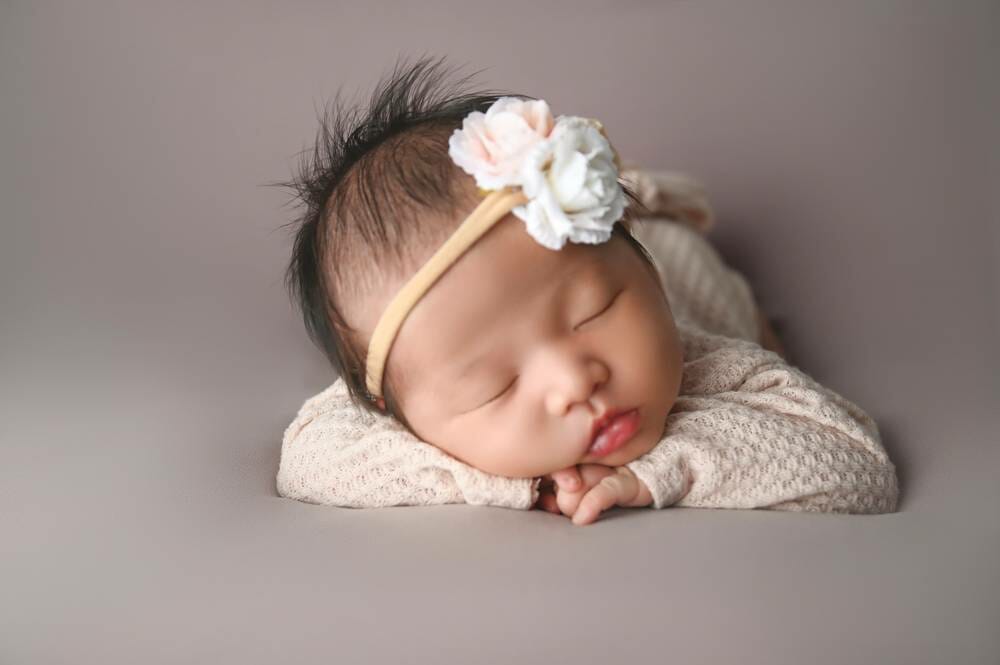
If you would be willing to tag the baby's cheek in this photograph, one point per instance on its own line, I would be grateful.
(648, 341)
(504, 444)
(661, 368)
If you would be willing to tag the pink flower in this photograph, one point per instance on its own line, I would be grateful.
(492, 146)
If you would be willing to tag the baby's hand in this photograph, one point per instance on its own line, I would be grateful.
(587, 490)
(556, 488)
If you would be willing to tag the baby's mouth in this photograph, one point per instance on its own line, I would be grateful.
(613, 431)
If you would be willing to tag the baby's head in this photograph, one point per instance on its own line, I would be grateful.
(516, 350)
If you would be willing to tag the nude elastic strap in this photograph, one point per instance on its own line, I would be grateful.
(490, 210)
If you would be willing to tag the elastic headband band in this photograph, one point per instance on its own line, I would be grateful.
(490, 210)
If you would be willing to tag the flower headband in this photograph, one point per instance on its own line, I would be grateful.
(559, 176)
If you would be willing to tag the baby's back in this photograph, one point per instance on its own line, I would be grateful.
(700, 286)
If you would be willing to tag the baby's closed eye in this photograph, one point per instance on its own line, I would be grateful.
(501, 393)
(601, 312)
(589, 319)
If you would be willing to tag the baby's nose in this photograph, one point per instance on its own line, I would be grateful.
(575, 383)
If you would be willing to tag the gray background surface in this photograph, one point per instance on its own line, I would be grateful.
(149, 358)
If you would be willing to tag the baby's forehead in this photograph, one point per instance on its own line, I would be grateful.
(504, 285)
(509, 268)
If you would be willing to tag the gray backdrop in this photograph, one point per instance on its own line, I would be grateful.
(150, 359)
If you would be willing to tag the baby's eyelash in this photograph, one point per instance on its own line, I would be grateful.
(602, 311)
(501, 393)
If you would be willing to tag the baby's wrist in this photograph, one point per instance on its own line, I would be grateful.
(643, 496)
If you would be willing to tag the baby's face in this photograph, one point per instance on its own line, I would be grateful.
(516, 350)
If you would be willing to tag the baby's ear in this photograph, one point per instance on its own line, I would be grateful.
(381, 403)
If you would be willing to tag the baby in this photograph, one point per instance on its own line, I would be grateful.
(479, 274)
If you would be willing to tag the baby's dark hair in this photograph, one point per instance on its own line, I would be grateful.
(376, 191)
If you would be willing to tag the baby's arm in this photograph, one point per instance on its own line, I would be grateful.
(334, 454)
(750, 431)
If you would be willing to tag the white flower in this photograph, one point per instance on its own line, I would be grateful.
(571, 181)
(492, 146)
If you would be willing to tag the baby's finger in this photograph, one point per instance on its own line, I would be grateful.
(602, 496)
(591, 474)
(548, 502)
(568, 479)
(568, 501)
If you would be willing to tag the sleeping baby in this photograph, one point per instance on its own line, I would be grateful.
(518, 320)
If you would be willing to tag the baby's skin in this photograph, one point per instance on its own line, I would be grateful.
(583, 492)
